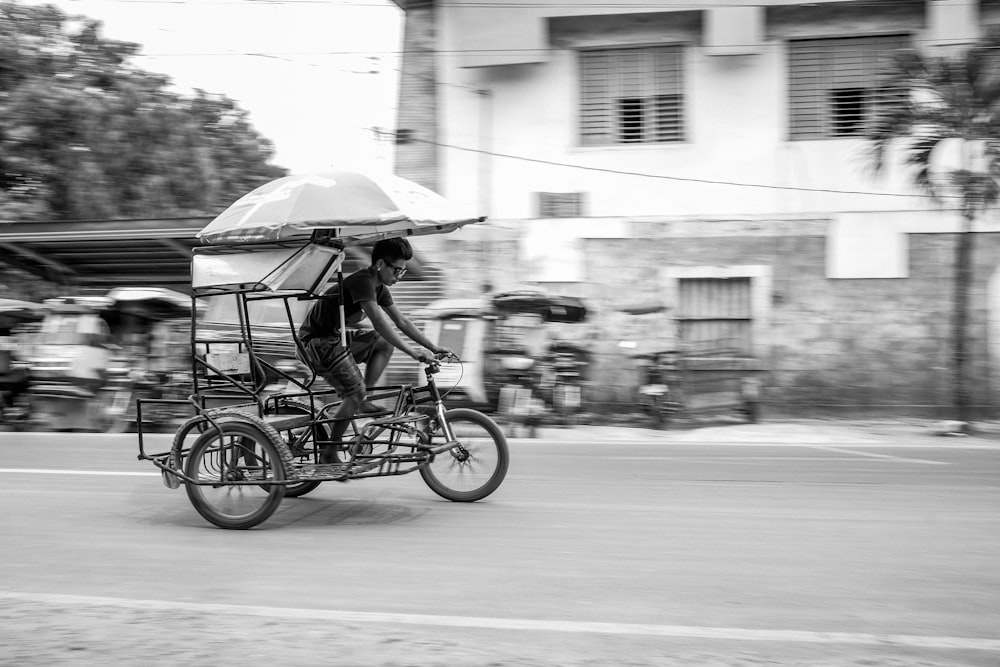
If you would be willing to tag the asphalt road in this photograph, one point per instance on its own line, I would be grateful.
(623, 553)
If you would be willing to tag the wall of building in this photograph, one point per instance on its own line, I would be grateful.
(860, 268)
(417, 118)
(735, 119)
(879, 345)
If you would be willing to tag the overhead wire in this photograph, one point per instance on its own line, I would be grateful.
(445, 52)
(603, 4)
(548, 4)
(666, 177)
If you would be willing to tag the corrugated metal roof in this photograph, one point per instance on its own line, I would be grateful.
(152, 252)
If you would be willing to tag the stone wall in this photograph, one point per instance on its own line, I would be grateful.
(876, 345)
(831, 345)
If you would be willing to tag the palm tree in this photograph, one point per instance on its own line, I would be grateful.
(948, 106)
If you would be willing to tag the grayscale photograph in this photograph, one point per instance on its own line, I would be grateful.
(500, 333)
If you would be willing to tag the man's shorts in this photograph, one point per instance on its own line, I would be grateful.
(339, 367)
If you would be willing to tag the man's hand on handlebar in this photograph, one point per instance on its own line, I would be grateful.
(440, 354)
(444, 354)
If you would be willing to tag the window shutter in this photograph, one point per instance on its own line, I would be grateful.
(632, 95)
(837, 86)
(715, 315)
(560, 204)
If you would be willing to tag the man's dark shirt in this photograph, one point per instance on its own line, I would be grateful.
(324, 317)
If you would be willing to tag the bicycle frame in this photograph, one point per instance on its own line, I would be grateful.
(240, 389)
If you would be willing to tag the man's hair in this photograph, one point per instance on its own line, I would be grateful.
(391, 250)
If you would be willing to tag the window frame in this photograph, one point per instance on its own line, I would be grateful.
(552, 205)
(723, 304)
(812, 105)
(661, 124)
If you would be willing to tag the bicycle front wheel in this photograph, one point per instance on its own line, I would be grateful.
(228, 469)
(473, 468)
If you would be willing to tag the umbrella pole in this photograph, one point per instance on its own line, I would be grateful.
(340, 304)
(340, 298)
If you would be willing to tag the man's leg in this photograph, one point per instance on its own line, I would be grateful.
(380, 355)
(342, 419)
(339, 369)
(375, 352)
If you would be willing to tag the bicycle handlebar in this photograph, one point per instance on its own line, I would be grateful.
(434, 365)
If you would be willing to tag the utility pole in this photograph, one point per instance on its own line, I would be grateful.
(485, 178)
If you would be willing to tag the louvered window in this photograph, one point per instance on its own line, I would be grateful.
(838, 86)
(560, 204)
(631, 96)
(714, 315)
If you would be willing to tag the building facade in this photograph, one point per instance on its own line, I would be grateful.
(709, 157)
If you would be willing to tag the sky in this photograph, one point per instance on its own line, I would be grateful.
(315, 75)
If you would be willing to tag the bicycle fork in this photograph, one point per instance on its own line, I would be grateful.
(439, 408)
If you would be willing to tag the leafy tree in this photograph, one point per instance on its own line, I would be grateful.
(84, 134)
(949, 105)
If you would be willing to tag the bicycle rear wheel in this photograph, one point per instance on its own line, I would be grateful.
(230, 467)
(476, 466)
(298, 489)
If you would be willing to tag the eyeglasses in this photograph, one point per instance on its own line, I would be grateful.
(398, 271)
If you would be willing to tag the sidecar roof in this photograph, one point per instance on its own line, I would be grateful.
(257, 268)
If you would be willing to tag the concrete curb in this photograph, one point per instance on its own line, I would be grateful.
(799, 432)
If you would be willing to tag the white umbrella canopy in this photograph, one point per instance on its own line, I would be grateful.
(357, 207)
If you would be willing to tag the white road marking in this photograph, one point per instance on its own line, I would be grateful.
(761, 443)
(493, 623)
(106, 473)
(852, 455)
(728, 458)
(879, 456)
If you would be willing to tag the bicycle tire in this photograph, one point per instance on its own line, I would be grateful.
(455, 474)
(297, 489)
(215, 456)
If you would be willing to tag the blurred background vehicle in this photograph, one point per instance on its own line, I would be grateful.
(680, 379)
(95, 355)
(659, 388)
(514, 360)
(69, 363)
(566, 372)
(464, 327)
(15, 375)
(152, 329)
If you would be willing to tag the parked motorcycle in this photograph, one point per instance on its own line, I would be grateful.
(519, 402)
(659, 390)
(566, 365)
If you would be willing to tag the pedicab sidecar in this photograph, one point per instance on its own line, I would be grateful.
(464, 326)
(528, 368)
(151, 328)
(69, 364)
(244, 449)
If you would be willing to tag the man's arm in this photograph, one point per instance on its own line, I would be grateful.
(384, 327)
(411, 329)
